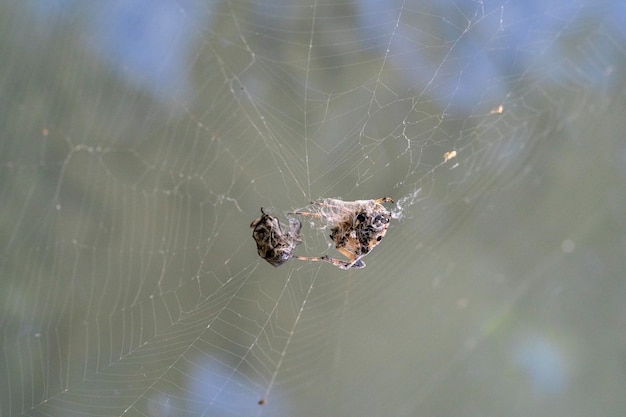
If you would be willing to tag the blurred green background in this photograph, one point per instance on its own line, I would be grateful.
(140, 138)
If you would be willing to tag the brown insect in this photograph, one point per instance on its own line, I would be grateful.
(273, 243)
(356, 227)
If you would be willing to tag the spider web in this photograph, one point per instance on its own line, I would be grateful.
(141, 138)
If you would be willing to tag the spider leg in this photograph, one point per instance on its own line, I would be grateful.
(384, 200)
(340, 205)
(333, 261)
(305, 214)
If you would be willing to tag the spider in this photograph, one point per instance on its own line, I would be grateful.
(356, 228)
(274, 244)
